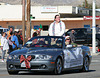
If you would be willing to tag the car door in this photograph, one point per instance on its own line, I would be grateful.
(73, 57)
(76, 57)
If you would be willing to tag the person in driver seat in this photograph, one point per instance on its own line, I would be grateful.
(68, 41)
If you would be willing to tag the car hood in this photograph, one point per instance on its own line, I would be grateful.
(49, 51)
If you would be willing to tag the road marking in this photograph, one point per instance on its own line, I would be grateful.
(3, 68)
(4, 74)
(95, 61)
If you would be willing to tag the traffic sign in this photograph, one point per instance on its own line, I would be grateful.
(90, 17)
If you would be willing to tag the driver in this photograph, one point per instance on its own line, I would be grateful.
(68, 41)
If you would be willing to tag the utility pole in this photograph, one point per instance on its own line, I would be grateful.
(23, 20)
(93, 28)
(28, 26)
(85, 4)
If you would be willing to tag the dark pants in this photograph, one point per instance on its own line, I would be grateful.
(10, 49)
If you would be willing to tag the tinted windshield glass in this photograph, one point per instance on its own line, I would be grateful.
(45, 42)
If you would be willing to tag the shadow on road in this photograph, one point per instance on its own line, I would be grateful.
(49, 73)
(75, 71)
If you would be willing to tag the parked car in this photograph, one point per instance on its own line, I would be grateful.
(84, 36)
(48, 53)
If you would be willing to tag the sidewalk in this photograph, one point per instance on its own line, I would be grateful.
(93, 54)
(5, 56)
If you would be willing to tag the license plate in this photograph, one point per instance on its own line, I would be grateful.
(24, 65)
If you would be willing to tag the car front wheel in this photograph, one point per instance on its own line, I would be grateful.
(58, 66)
(86, 64)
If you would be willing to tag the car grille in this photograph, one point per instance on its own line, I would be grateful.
(33, 56)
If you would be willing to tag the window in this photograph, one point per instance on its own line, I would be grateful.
(19, 27)
(36, 27)
(45, 27)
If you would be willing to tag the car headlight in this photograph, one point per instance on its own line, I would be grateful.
(15, 57)
(43, 57)
(10, 57)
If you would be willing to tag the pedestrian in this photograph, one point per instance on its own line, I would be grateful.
(8, 33)
(57, 28)
(15, 41)
(4, 45)
(34, 34)
(10, 43)
(38, 32)
(97, 28)
(20, 39)
(72, 36)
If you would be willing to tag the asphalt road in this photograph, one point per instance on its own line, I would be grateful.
(93, 73)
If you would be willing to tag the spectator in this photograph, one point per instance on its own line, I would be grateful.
(8, 33)
(57, 28)
(15, 41)
(34, 34)
(4, 45)
(97, 28)
(20, 31)
(38, 32)
(10, 42)
(72, 36)
(20, 39)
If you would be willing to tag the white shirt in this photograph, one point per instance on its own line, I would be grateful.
(4, 43)
(58, 32)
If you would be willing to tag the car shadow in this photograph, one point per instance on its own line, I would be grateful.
(35, 73)
(49, 73)
(75, 71)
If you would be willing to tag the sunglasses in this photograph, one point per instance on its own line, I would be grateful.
(67, 39)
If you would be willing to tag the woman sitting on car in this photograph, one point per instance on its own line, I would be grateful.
(68, 41)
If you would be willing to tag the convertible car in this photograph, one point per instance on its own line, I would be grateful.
(48, 53)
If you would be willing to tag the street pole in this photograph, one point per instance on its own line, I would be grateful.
(28, 26)
(85, 4)
(23, 20)
(93, 28)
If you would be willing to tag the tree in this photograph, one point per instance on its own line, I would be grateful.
(87, 5)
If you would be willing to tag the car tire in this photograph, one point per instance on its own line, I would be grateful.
(85, 65)
(13, 72)
(58, 66)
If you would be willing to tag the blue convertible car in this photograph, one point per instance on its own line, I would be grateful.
(48, 53)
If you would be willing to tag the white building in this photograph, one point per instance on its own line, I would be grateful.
(11, 15)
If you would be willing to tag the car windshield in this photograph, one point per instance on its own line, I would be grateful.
(49, 42)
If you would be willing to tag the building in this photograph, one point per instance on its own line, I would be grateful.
(11, 15)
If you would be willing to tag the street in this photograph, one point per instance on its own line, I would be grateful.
(93, 73)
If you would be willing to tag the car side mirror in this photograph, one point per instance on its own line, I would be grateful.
(69, 46)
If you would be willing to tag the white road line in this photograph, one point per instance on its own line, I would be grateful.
(95, 60)
(3, 68)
